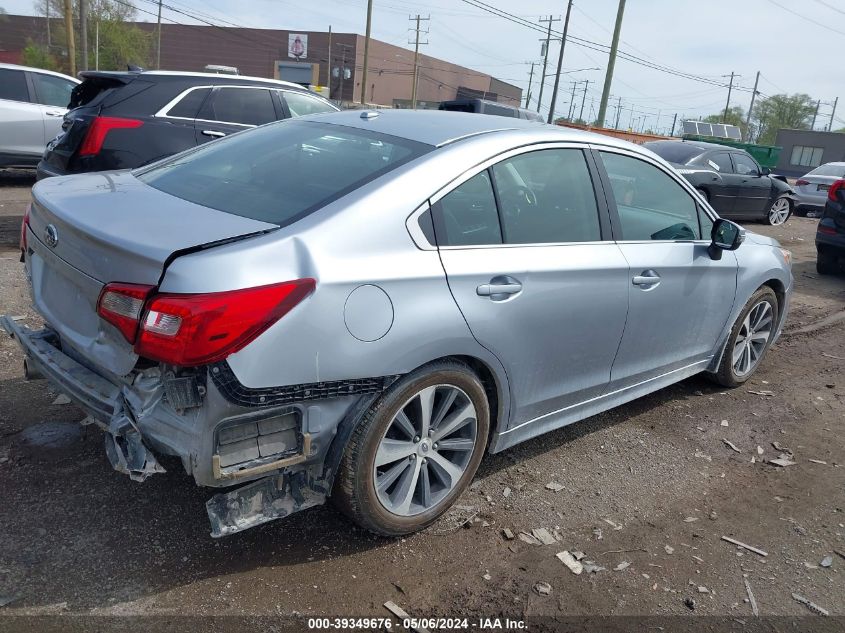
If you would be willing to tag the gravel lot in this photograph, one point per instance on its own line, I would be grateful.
(652, 484)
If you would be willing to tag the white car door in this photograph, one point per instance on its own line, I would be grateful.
(53, 96)
(22, 137)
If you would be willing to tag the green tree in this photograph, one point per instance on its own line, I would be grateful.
(38, 56)
(120, 42)
(781, 111)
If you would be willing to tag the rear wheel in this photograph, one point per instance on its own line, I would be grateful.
(780, 211)
(749, 339)
(415, 451)
(826, 263)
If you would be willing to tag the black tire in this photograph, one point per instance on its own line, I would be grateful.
(354, 491)
(768, 218)
(826, 263)
(726, 375)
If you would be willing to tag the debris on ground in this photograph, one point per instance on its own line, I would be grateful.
(751, 598)
(817, 461)
(592, 567)
(61, 399)
(487, 577)
(827, 561)
(527, 538)
(724, 423)
(554, 486)
(782, 462)
(544, 536)
(578, 554)
(623, 565)
(763, 392)
(543, 588)
(759, 450)
(506, 492)
(732, 445)
(569, 560)
(713, 516)
(782, 449)
(703, 456)
(613, 524)
(745, 546)
(703, 589)
(669, 549)
(598, 533)
(400, 613)
(508, 534)
(689, 603)
(690, 519)
(812, 606)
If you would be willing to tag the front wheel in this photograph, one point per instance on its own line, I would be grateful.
(780, 211)
(415, 451)
(749, 339)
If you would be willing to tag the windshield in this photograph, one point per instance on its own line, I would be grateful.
(281, 172)
(674, 151)
(837, 170)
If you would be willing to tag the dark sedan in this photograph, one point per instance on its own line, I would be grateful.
(830, 233)
(732, 181)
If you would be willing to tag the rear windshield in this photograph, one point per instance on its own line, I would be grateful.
(281, 172)
(675, 151)
(837, 171)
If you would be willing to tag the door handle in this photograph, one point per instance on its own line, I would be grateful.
(499, 288)
(54, 113)
(647, 279)
(213, 133)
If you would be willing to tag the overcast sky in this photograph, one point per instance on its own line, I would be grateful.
(795, 44)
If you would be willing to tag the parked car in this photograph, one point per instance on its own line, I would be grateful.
(812, 188)
(32, 104)
(830, 233)
(730, 179)
(362, 304)
(127, 119)
(484, 106)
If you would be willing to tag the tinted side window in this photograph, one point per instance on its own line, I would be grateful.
(52, 91)
(13, 85)
(248, 106)
(546, 197)
(745, 165)
(190, 104)
(467, 215)
(722, 162)
(302, 104)
(651, 205)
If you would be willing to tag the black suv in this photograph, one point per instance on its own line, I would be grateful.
(830, 233)
(120, 120)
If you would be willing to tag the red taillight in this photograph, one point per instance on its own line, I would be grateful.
(24, 226)
(99, 128)
(121, 305)
(834, 188)
(197, 329)
(801, 182)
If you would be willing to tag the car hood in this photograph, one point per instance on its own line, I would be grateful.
(762, 240)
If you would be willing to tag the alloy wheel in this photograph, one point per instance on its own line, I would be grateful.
(752, 338)
(779, 212)
(425, 450)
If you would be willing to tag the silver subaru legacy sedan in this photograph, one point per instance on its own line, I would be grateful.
(360, 305)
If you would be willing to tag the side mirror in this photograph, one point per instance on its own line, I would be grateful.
(765, 171)
(726, 236)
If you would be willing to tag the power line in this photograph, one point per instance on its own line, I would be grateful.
(806, 19)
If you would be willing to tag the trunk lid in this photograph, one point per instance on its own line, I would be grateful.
(89, 230)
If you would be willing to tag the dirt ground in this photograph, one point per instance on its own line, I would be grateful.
(647, 492)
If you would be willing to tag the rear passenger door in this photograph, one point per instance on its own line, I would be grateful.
(231, 109)
(53, 95)
(528, 256)
(22, 137)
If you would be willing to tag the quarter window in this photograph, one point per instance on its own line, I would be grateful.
(547, 197)
(745, 166)
(247, 106)
(52, 91)
(721, 162)
(651, 205)
(13, 85)
(190, 104)
(301, 104)
(467, 215)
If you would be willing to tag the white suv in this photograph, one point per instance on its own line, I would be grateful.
(33, 103)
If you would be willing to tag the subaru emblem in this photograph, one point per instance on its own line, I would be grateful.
(51, 236)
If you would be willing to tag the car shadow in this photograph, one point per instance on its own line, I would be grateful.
(17, 177)
(65, 508)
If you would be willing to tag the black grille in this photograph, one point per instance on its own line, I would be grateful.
(227, 383)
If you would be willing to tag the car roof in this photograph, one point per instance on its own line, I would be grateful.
(177, 74)
(38, 70)
(440, 127)
(712, 146)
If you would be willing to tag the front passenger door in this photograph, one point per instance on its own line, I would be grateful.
(754, 188)
(231, 109)
(679, 298)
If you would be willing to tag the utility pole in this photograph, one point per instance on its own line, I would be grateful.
(674, 123)
(550, 20)
(572, 101)
(342, 73)
(71, 47)
(367, 51)
(97, 45)
(611, 62)
(416, 59)
(530, 79)
(815, 114)
(751, 108)
(329, 70)
(618, 114)
(584, 99)
(560, 62)
(158, 38)
(730, 89)
(83, 32)
(832, 113)
(47, 16)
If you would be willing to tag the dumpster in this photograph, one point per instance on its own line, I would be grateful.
(766, 155)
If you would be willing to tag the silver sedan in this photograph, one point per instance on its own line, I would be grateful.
(812, 188)
(361, 305)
